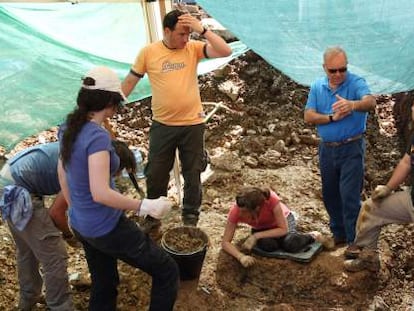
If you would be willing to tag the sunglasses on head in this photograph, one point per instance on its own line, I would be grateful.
(334, 70)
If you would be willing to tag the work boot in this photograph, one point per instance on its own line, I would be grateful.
(149, 224)
(190, 220)
(367, 260)
(352, 251)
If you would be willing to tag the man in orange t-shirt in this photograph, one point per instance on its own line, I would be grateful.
(171, 65)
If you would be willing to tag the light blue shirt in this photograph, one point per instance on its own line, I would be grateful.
(321, 98)
(35, 169)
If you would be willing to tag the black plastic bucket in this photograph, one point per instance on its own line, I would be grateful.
(189, 260)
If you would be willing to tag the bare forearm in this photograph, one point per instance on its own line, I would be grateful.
(229, 248)
(114, 199)
(62, 225)
(400, 173)
(367, 103)
(313, 117)
(216, 47)
(129, 84)
(272, 233)
(58, 213)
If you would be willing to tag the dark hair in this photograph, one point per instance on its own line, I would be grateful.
(87, 101)
(171, 19)
(252, 197)
(126, 156)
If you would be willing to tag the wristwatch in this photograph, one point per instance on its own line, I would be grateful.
(331, 118)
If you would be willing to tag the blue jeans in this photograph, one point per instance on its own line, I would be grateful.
(342, 173)
(129, 244)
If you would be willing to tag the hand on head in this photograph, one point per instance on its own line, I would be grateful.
(193, 23)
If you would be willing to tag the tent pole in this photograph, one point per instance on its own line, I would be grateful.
(154, 12)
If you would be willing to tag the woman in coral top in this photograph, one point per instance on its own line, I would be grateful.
(271, 221)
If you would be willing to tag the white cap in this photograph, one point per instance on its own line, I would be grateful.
(105, 79)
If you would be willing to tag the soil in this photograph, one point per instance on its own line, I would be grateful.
(257, 137)
(185, 240)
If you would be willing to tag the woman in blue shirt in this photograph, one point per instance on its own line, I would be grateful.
(88, 164)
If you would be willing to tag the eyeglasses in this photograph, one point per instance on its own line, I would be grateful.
(335, 70)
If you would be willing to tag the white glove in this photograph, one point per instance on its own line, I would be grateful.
(249, 243)
(380, 192)
(247, 261)
(156, 208)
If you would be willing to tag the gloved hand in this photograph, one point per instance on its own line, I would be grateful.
(249, 243)
(156, 208)
(380, 192)
(247, 261)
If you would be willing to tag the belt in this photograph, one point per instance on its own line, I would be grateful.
(343, 142)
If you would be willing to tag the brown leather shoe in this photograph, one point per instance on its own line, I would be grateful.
(352, 251)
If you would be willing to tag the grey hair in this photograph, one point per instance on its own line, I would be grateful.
(332, 51)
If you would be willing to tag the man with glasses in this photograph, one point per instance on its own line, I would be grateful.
(338, 105)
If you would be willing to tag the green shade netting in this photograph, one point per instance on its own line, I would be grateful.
(291, 35)
(46, 48)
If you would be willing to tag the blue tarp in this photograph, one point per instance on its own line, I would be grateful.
(378, 36)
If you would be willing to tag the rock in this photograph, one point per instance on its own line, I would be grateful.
(280, 146)
(230, 89)
(225, 160)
